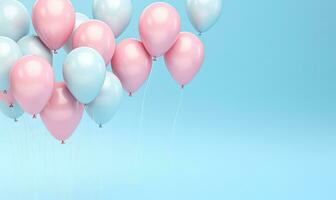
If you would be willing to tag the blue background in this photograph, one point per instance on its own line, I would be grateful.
(258, 122)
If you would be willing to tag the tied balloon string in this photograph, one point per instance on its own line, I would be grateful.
(177, 113)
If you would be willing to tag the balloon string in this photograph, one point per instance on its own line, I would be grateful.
(139, 135)
(178, 110)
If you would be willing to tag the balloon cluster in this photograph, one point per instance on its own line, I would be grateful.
(26, 74)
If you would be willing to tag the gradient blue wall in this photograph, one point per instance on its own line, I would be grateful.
(258, 122)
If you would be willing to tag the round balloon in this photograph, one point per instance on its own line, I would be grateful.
(84, 73)
(132, 64)
(9, 54)
(185, 58)
(14, 19)
(9, 107)
(97, 35)
(115, 13)
(53, 21)
(32, 83)
(203, 14)
(103, 108)
(32, 45)
(62, 114)
(159, 26)
(80, 18)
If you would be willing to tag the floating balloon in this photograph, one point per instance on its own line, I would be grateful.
(32, 83)
(115, 13)
(84, 73)
(97, 35)
(80, 18)
(14, 19)
(9, 54)
(9, 107)
(103, 108)
(53, 21)
(132, 64)
(159, 26)
(185, 58)
(62, 114)
(32, 45)
(203, 14)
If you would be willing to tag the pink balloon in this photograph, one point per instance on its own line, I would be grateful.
(53, 21)
(185, 58)
(62, 114)
(97, 35)
(132, 64)
(32, 82)
(159, 26)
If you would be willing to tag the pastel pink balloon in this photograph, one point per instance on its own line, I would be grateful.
(32, 83)
(185, 58)
(7, 97)
(97, 35)
(132, 64)
(159, 26)
(53, 21)
(62, 114)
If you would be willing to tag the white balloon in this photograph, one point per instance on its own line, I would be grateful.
(104, 107)
(115, 13)
(203, 14)
(32, 45)
(80, 18)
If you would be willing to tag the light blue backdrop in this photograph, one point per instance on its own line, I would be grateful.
(258, 122)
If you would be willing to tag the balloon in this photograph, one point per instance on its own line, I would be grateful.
(80, 18)
(97, 35)
(14, 19)
(103, 108)
(203, 14)
(132, 64)
(84, 73)
(159, 26)
(32, 45)
(32, 83)
(53, 21)
(62, 114)
(115, 13)
(9, 106)
(9, 54)
(185, 58)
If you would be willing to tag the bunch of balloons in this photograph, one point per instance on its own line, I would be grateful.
(26, 74)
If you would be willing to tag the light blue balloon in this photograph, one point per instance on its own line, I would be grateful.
(104, 107)
(9, 54)
(203, 14)
(13, 112)
(80, 18)
(84, 73)
(32, 45)
(14, 19)
(115, 13)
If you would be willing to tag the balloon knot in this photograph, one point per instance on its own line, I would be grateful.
(62, 142)
(34, 116)
(130, 94)
(5, 91)
(154, 59)
(55, 52)
(182, 87)
(15, 120)
(200, 34)
(100, 126)
(11, 105)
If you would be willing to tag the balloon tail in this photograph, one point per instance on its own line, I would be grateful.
(100, 126)
(62, 142)
(154, 59)
(11, 105)
(34, 116)
(5, 91)
(55, 52)
(200, 34)
(182, 87)
(130, 94)
(15, 120)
